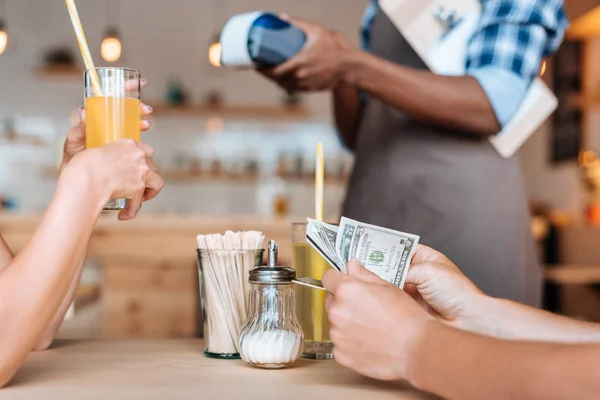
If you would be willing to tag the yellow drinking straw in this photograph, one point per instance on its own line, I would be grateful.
(318, 295)
(83, 46)
(319, 177)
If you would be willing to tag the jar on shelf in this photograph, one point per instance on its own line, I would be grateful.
(272, 336)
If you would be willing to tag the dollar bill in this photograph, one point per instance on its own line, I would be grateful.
(324, 236)
(385, 252)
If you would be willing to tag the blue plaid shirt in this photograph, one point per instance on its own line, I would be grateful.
(506, 52)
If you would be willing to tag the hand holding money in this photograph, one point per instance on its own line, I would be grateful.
(385, 252)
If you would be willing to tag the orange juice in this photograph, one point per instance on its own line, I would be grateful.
(112, 118)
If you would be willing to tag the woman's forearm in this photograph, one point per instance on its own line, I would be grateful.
(456, 102)
(47, 337)
(35, 283)
(346, 105)
(459, 365)
(506, 319)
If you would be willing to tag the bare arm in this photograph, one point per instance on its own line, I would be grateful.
(440, 286)
(6, 255)
(459, 365)
(463, 105)
(327, 62)
(379, 331)
(49, 334)
(506, 319)
(47, 337)
(346, 105)
(36, 282)
(45, 340)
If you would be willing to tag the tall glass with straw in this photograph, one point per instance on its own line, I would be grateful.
(112, 100)
(115, 114)
(310, 303)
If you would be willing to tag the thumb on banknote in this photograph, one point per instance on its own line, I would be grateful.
(356, 270)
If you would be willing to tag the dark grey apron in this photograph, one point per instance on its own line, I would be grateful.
(454, 190)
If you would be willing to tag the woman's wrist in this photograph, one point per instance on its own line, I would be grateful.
(477, 316)
(64, 163)
(66, 159)
(80, 182)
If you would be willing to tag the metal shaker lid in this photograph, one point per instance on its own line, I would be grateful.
(272, 273)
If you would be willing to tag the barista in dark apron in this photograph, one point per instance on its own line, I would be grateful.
(414, 174)
(453, 189)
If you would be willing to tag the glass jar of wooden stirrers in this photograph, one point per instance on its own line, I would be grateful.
(223, 270)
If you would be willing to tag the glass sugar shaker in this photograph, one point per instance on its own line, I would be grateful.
(272, 336)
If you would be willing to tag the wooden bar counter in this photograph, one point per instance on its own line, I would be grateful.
(177, 369)
(149, 285)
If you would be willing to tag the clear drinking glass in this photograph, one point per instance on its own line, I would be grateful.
(310, 303)
(114, 113)
(223, 319)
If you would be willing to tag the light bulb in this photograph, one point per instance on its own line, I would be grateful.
(3, 40)
(111, 49)
(214, 54)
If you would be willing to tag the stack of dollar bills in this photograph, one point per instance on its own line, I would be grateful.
(383, 251)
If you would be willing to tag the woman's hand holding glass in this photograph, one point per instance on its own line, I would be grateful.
(122, 169)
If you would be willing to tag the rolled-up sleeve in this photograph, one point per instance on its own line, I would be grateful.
(504, 89)
(507, 50)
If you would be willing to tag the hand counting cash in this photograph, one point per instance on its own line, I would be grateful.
(385, 252)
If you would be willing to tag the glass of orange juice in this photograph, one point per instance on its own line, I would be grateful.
(114, 112)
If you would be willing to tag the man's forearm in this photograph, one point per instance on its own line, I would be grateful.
(346, 105)
(35, 283)
(459, 365)
(506, 319)
(455, 102)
